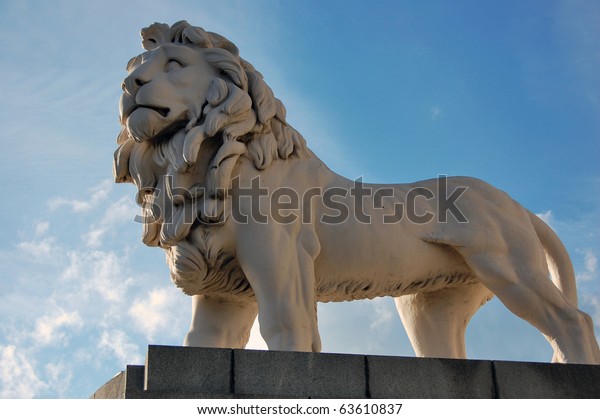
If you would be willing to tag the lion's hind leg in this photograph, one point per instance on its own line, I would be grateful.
(436, 321)
(518, 276)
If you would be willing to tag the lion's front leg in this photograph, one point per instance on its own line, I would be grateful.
(280, 269)
(219, 323)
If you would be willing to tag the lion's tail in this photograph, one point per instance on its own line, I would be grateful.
(559, 262)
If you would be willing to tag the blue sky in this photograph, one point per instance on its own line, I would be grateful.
(391, 91)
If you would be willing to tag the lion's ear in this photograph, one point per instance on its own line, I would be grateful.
(197, 36)
(121, 162)
(154, 35)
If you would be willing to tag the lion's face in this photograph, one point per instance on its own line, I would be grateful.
(163, 86)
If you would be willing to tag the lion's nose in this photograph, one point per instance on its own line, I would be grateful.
(132, 83)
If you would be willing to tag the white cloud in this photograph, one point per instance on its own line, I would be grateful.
(93, 238)
(75, 204)
(51, 329)
(383, 315)
(38, 248)
(120, 346)
(98, 272)
(60, 376)
(154, 314)
(97, 194)
(17, 375)
(123, 210)
(590, 264)
(41, 228)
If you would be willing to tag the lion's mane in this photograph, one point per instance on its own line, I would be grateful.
(242, 117)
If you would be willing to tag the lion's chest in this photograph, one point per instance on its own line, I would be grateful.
(205, 264)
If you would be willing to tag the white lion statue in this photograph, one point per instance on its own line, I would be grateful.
(253, 223)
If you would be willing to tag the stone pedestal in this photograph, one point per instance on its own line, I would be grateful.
(182, 372)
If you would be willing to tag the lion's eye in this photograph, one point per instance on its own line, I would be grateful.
(173, 64)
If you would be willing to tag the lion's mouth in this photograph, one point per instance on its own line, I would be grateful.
(164, 112)
(130, 107)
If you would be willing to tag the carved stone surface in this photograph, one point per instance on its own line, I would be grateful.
(275, 374)
(253, 223)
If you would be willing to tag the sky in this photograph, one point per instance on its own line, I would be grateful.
(390, 91)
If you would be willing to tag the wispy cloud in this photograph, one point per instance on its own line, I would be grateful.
(88, 288)
(52, 329)
(383, 315)
(96, 195)
(60, 375)
(117, 213)
(38, 248)
(154, 313)
(98, 272)
(120, 346)
(41, 228)
(18, 375)
(93, 238)
(590, 266)
(123, 210)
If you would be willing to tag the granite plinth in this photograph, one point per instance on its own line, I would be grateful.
(192, 373)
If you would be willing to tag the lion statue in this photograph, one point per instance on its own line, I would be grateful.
(253, 223)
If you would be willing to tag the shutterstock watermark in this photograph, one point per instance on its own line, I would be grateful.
(360, 202)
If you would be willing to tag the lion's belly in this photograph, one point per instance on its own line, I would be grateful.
(375, 261)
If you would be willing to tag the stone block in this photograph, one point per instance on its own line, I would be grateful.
(299, 374)
(526, 380)
(415, 378)
(112, 389)
(188, 370)
(134, 382)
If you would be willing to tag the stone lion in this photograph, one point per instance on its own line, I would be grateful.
(253, 223)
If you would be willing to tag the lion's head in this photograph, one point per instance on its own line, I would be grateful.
(195, 80)
(190, 103)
